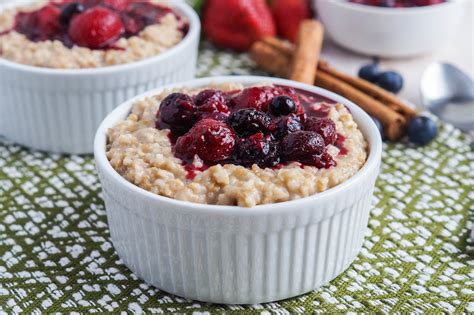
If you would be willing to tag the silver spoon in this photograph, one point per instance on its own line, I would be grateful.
(448, 93)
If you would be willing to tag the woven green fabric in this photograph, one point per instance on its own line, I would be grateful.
(56, 252)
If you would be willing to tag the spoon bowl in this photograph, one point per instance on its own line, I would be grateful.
(448, 93)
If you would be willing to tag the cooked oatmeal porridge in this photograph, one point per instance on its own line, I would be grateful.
(52, 35)
(145, 152)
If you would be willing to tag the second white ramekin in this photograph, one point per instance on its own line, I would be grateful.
(59, 110)
(235, 255)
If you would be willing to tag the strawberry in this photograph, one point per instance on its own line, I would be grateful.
(288, 15)
(95, 28)
(237, 24)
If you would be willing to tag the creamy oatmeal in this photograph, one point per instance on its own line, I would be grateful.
(140, 43)
(144, 155)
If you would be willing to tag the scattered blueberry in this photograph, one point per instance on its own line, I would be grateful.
(379, 126)
(282, 105)
(69, 10)
(421, 130)
(369, 72)
(390, 81)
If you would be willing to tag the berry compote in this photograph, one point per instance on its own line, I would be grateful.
(269, 126)
(95, 24)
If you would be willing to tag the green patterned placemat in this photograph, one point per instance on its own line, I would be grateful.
(56, 253)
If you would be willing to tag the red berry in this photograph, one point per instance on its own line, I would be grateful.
(324, 126)
(302, 146)
(39, 25)
(211, 104)
(286, 125)
(95, 28)
(211, 140)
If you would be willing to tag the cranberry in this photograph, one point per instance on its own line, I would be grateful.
(39, 25)
(324, 126)
(177, 109)
(255, 97)
(95, 28)
(211, 104)
(249, 121)
(302, 146)
(324, 160)
(282, 105)
(257, 149)
(209, 139)
(286, 125)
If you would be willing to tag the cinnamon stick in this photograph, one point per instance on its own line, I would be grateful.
(306, 54)
(371, 89)
(392, 122)
(272, 60)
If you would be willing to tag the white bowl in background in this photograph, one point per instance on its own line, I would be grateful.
(231, 254)
(390, 32)
(59, 110)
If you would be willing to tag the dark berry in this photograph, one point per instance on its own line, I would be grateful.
(390, 81)
(282, 105)
(286, 125)
(211, 104)
(69, 11)
(178, 110)
(421, 130)
(324, 126)
(210, 139)
(369, 72)
(302, 146)
(249, 121)
(379, 126)
(257, 149)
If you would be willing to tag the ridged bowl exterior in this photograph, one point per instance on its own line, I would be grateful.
(59, 110)
(234, 255)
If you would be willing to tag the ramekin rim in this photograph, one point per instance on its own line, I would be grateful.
(372, 137)
(194, 31)
(394, 11)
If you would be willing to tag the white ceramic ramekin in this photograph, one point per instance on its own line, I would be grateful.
(390, 32)
(59, 110)
(235, 255)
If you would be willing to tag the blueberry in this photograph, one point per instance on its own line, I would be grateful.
(69, 10)
(390, 81)
(421, 130)
(379, 126)
(369, 72)
(282, 105)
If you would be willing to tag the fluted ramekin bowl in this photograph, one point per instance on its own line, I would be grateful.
(231, 254)
(59, 110)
